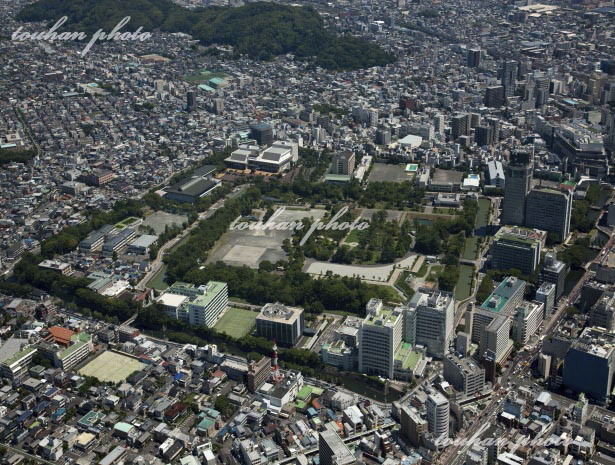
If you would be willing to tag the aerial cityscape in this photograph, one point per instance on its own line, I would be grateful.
(346, 232)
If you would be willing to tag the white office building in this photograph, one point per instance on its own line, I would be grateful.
(430, 320)
(438, 415)
(380, 336)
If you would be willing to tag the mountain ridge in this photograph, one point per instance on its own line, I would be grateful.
(260, 30)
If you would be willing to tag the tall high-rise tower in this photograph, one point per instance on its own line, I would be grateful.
(508, 77)
(518, 176)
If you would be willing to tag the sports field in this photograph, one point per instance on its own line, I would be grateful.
(111, 367)
(236, 322)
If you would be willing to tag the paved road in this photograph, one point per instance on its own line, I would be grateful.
(519, 368)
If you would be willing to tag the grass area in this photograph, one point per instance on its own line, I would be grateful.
(434, 272)
(203, 76)
(422, 270)
(403, 285)
(236, 322)
(391, 294)
(353, 236)
(111, 367)
(471, 248)
(157, 282)
(464, 283)
(126, 222)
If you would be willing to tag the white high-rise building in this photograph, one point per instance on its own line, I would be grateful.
(528, 317)
(438, 415)
(380, 336)
(430, 320)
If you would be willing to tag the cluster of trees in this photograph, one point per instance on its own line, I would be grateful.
(292, 288)
(326, 108)
(448, 235)
(322, 244)
(16, 156)
(391, 194)
(69, 237)
(581, 218)
(72, 290)
(579, 253)
(168, 234)
(383, 242)
(314, 163)
(432, 239)
(202, 238)
(260, 30)
(485, 289)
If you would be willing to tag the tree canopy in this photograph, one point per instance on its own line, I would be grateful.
(260, 30)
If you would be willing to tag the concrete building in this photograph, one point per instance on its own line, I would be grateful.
(495, 174)
(589, 364)
(464, 374)
(258, 373)
(262, 133)
(518, 175)
(495, 338)
(549, 210)
(206, 308)
(553, 271)
(200, 305)
(544, 365)
(546, 294)
(15, 356)
(118, 242)
(527, 319)
(438, 415)
(380, 337)
(280, 323)
(503, 300)
(191, 188)
(460, 125)
(57, 266)
(343, 163)
(602, 313)
(332, 450)
(413, 426)
(430, 320)
(508, 77)
(517, 248)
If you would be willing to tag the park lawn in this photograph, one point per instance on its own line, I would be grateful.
(236, 322)
(464, 283)
(434, 272)
(353, 236)
(422, 270)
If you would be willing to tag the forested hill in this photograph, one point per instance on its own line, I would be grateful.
(260, 30)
